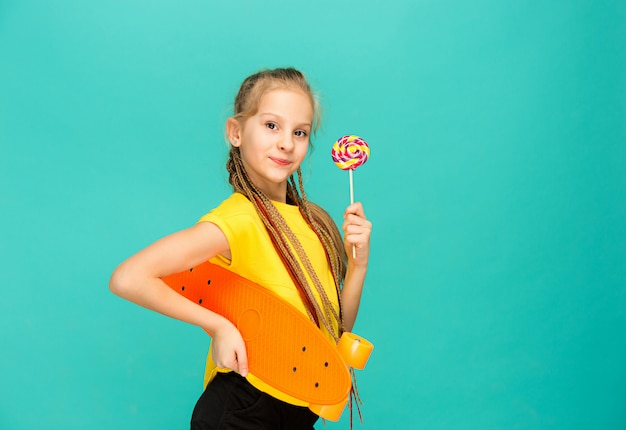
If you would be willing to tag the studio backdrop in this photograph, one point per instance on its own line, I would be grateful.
(496, 294)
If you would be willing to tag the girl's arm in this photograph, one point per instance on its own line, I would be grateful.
(138, 280)
(356, 232)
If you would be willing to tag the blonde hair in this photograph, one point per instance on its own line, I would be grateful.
(285, 242)
(255, 86)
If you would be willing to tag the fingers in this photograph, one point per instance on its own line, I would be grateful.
(242, 362)
(356, 209)
(354, 219)
(229, 349)
(237, 361)
(357, 230)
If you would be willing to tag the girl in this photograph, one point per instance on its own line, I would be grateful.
(265, 231)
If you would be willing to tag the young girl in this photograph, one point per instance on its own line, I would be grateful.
(265, 231)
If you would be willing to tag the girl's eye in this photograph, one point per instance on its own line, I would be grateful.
(301, 133)
(271, 126)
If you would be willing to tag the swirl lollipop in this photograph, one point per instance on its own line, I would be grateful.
(349, 152)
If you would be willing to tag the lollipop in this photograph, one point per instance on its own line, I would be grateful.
(349, 152)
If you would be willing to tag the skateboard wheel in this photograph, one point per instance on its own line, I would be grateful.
(354, 350)
(329, 412)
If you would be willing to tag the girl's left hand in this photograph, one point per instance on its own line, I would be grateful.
(356, 234)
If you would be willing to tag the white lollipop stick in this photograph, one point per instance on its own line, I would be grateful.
(351, 188)
(351, 202)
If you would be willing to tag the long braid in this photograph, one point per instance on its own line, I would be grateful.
(332, 255)
(337, 260)
(241, 183)
(335, 257)
(286, 242)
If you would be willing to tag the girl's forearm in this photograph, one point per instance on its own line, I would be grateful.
(351, 295)
(155, 295)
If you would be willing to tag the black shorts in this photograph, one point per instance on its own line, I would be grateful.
(230, 402)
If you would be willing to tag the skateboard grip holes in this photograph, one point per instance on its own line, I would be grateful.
(208, 282)
(183, 288)
(304, 349)
(294, 369)
(317, 384)
(200, 301)
(326, 364)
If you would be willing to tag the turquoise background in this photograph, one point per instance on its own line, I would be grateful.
(496, 296)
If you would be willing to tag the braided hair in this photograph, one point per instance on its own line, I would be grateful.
(284, 240)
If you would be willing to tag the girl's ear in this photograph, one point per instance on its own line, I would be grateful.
(233, 131)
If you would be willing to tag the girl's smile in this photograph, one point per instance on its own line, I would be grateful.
(280, 161)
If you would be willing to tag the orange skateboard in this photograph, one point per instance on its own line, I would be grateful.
(285, 348)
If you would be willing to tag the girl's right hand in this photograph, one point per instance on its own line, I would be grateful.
(229, 349)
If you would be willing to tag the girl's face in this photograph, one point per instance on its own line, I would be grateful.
(274, 141)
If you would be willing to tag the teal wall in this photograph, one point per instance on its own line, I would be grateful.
(496, 296)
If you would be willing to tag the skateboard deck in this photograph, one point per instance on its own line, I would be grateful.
(285, 348)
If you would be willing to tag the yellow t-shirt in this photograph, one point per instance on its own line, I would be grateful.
(253, 256)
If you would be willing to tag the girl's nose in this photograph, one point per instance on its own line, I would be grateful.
(285, 143)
